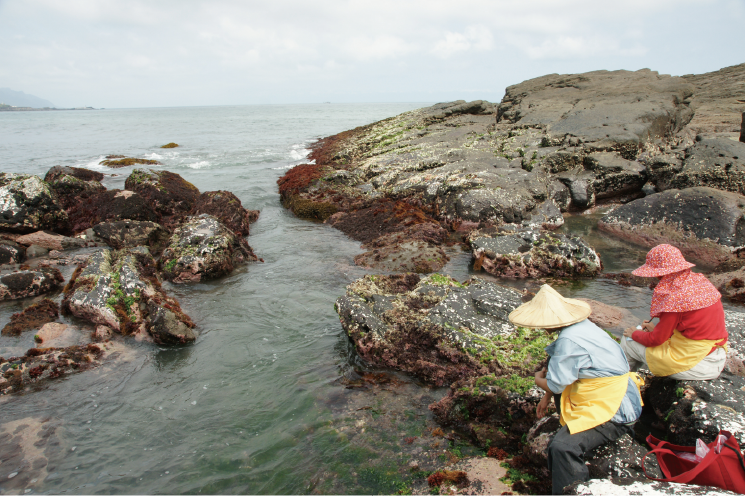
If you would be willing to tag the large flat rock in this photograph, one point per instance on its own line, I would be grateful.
(609, 108)
(704, 223)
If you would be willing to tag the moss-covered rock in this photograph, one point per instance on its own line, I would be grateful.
(203, 248)
(120, 289)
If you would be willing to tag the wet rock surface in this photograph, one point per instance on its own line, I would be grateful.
(25, 283)
(119, 289)
(521, 253)
(715, 162)
(41, 364)
(706, 224)
(28, 204)
(203, 248)
(11, 252)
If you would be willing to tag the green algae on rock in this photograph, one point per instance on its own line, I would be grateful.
(127, 161)
(203, 248)
(120, 289)
(170, 145)
(438, 329)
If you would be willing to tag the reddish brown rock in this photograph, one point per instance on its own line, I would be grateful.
(50, 241)
(172, 197)
(32, 317)
(109, 206)
(609, 317)
(227, 208)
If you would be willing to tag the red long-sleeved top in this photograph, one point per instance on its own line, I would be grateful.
(704, 323)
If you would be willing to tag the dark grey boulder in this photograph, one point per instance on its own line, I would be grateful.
(704, 223)
(615, 176)
(547, 215)
(118, 289)
(717, 162)
(611, 109)
(203, 248)
(25, 283)
(522, 253)
(742, 129)
(28, 204)
(11, 253)
(131, 233)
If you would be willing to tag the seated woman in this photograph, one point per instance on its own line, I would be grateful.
(689, 341)
(600, 399)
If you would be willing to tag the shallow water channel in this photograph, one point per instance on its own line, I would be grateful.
(271, 398)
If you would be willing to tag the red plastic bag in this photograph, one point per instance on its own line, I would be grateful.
(723, 467)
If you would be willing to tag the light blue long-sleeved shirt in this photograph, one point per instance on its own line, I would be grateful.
(582, 351)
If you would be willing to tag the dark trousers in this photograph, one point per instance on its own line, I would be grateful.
(567, 451)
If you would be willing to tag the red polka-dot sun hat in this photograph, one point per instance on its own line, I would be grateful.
(663, 260)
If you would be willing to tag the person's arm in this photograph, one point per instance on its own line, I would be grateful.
(564, 366)
(660, 332)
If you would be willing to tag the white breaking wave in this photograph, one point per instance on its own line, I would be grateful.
(202, 164)
(153, 156)
(95, 163)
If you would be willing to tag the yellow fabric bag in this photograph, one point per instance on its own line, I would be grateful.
(677, 354)
(588, 403)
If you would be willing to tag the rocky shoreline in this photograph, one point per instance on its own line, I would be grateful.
(662, 156)
(124, 244)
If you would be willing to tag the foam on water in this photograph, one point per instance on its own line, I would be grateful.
(202, 164)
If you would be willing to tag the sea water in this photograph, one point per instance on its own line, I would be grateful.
(271, 398)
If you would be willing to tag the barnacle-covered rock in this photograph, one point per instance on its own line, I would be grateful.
(25, 283)
(203, 248)
(28, 204)
(437, 328)
(119, 289)
(510, 251)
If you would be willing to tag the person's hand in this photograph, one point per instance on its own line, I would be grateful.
(648, 326)
(541, 374)
(629, 331)
(542, 408)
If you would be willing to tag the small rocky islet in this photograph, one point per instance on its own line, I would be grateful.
(662, 158)
(123, 245)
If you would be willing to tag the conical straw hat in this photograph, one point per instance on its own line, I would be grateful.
(548, 309)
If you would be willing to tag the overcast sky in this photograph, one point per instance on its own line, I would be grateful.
(133, 53)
